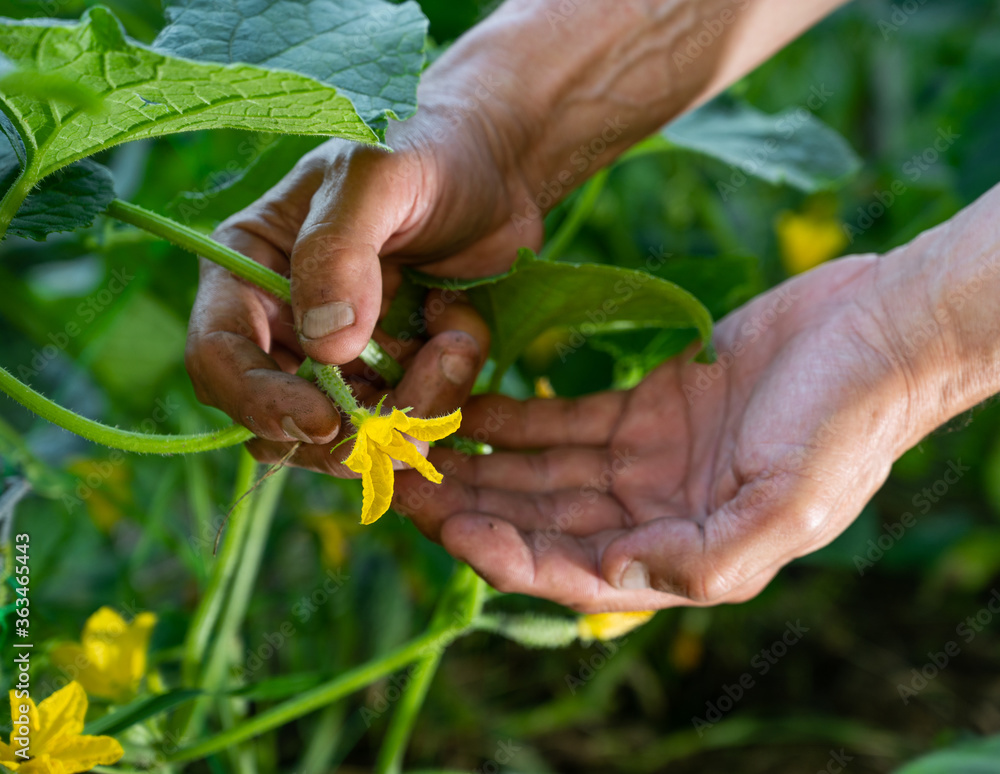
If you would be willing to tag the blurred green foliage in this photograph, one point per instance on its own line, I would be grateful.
(136, 532)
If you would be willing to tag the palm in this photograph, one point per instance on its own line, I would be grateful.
(710, 477)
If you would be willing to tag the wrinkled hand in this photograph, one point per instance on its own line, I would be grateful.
(341, 225)
(698, 485)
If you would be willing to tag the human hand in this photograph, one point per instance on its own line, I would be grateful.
(342, 224)
(698, 485)
(512, 117)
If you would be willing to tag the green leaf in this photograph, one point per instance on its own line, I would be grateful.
(979, 757)
(137, 711)
(792, 147)
(371, 50)
(721, 283)
(535, 296)
(145, 93)
(70, 199)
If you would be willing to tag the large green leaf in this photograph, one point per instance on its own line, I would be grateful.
(792, 147)
(980, 757)
(67, 200)
(536, 296)
(145, 93)
(371, 50)
(722, 284)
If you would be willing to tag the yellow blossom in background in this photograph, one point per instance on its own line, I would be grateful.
(108, 490)
(609, 626)
(110, 659)
(544, 388)
(332, 540)
(380, 441)
(54, 732)
(807, 239)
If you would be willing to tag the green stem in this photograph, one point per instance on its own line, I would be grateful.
(390, 756)
(320, 696)
(210, 606)
(200, 244)
(577, 216)
(331, 381)
(115, 438)
(459, 607)
(13, 200)
(237, 263)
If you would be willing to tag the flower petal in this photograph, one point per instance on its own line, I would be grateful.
(377, 484)
(34, 722)
(43, 764)
(134, 648)
(7, 757)
(609, 626)
(360, 460)
(380, 429)
(404, 451)
(71, 658)
(82, 753)
(60, 714)
(433, 429)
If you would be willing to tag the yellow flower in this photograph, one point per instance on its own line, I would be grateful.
(48, 739)
(106, 503)
(380, 441)
(543, 388)
(332, 540)
(110, 660)
(806, 240)
(609, 626)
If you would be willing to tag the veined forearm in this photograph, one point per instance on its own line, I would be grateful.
(574, 83)
(941, 300)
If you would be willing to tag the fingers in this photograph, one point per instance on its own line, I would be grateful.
(768, 523)
(564, 467)
(512, 424)
(336, 277)
(233, 327)
(564, 568)
(441, 375)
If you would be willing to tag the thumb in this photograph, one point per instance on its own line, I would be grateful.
(336, 278)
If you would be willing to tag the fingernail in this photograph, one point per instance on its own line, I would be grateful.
(289, 426)
(321, 321)
(457, 369)
(635, 577)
